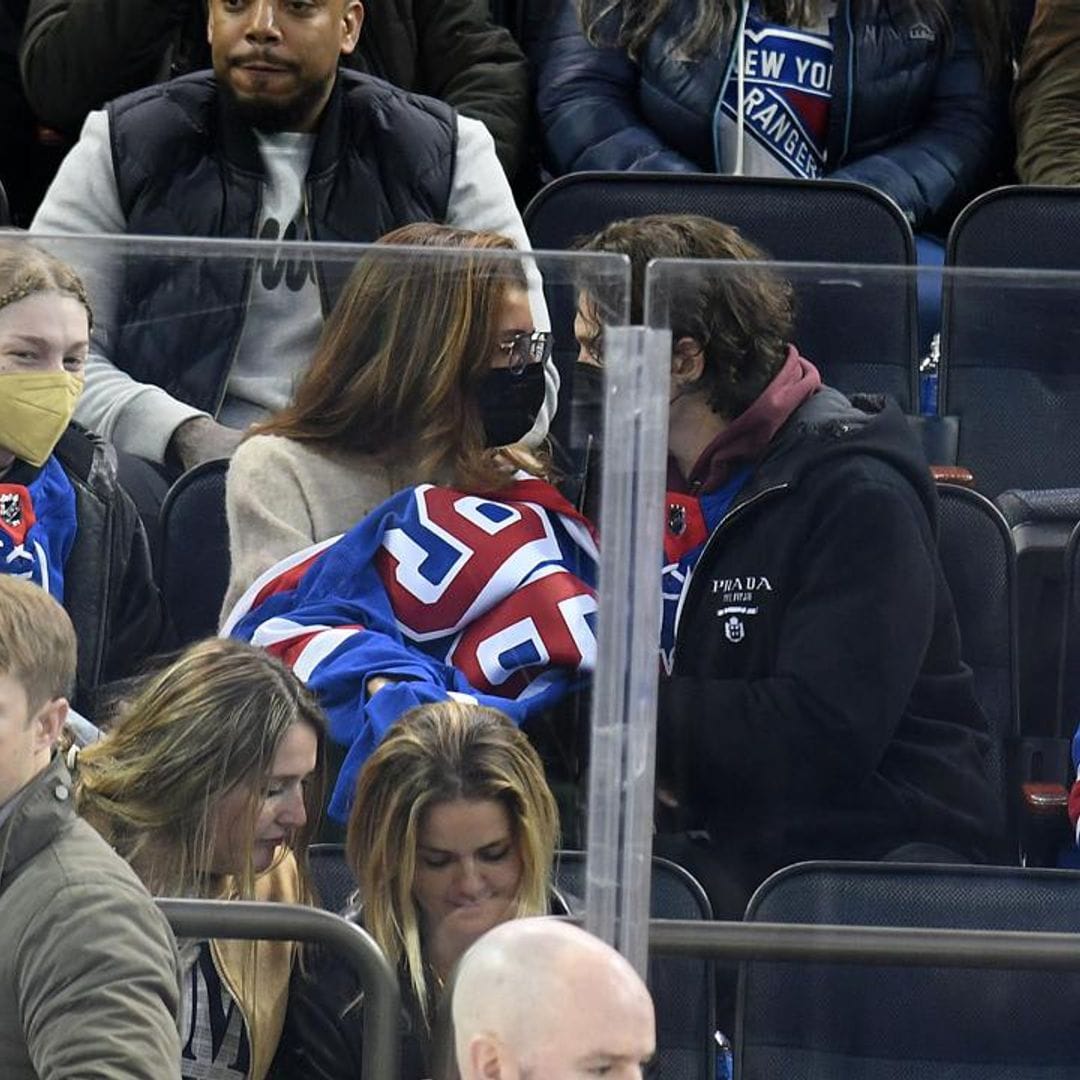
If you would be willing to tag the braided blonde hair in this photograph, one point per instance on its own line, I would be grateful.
(26, 269)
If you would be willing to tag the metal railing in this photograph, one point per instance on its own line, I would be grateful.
(920, 947)
(250, 921)
(728, 941)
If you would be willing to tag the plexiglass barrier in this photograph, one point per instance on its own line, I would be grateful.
(840, 650)
(317, 423)
(865, 664)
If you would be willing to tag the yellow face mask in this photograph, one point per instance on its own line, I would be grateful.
(35, 408)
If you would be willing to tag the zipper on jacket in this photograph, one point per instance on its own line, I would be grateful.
(106, 579)
(249, 286)
(733, 53)
(850, 81)
(735, 512)
(320, 283)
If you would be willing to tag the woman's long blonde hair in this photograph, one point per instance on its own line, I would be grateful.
(212, 720)
(410, 338)
(433, 754)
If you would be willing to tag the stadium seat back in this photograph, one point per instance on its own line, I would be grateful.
(194, 572)
(813, 1021)
(330, 875)
(976, 551)
(860, 331)
(1069, 683)
(1010, 364)
(683, 988)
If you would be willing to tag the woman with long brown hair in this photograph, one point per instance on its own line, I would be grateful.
(428, 368)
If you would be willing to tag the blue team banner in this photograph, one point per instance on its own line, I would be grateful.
(446, 594)
(787, 89)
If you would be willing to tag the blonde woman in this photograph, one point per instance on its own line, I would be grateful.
(427, 366)
(453, 830)
(208, 785)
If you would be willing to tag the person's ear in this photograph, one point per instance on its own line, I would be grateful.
(486, 1059)
(353, 18)
(687, 362)
(48, 723)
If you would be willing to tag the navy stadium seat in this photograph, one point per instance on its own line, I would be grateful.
(1010, 361)
(860, 330)
(683, 988)
(814, 1021)
(977, 557)
(194, 571)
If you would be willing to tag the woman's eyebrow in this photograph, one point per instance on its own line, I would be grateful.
(280, 777)
(29, 339)
(448, 851)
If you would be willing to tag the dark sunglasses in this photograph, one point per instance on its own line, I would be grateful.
(526, 348)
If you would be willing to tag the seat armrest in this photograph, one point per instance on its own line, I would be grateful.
(1044, 823)
(952, 474)
(1045, 799)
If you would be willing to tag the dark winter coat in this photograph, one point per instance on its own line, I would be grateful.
(908, 118)
(109, 589)
(77, 54)
(186, 165)
(818, 706)
(323, 1037)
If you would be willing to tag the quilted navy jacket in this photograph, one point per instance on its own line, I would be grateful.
(908, 117)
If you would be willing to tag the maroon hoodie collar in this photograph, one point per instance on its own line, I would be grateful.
(747, 436)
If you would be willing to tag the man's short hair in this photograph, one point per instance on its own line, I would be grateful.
(37, 642)
(742, 318)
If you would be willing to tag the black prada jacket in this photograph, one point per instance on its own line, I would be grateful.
(818, 706)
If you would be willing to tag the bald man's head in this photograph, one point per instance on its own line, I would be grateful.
(541, 998)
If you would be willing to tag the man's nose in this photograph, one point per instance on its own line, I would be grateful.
(263, 22)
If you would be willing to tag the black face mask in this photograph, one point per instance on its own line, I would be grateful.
(509, 403)
(587, 405)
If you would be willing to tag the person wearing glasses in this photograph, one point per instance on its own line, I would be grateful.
(429, 370)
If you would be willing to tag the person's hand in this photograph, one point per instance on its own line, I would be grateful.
(457, 931)
(666, 798)
(376, 683)
(202, 439)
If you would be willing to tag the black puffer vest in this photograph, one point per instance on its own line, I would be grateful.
(186, 166)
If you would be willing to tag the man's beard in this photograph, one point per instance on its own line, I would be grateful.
(271, 115)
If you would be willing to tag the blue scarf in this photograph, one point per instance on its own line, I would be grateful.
(37, 528)
(691, 520)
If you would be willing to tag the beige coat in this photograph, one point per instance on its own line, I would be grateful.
(283, 495)
(88, 970)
